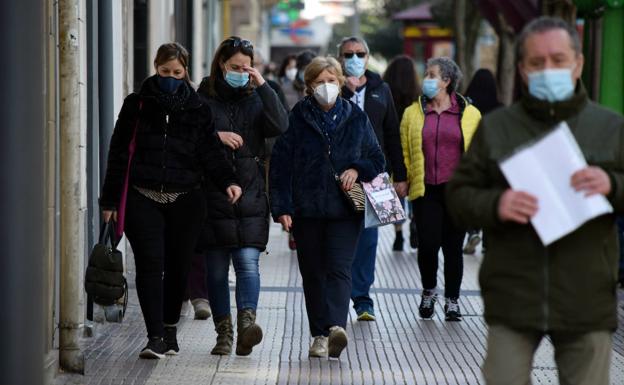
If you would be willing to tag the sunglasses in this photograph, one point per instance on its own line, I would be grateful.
(349, 55)
(243, 43)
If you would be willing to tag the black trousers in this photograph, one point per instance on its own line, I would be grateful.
(435, 231)
(325, 250)
(163, 238)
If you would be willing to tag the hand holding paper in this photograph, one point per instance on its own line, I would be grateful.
(517, 206)
(568, 193)
(592, 180)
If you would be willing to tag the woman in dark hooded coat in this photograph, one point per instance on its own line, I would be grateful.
(246, 111)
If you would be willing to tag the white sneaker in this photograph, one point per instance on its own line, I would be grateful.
(318, 347)
(186, 309)
(201, 307)
(337, 341)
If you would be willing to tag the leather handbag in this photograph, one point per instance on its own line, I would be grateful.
(356, 196)
(104, 279)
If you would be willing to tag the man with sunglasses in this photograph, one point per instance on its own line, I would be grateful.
(366, 89)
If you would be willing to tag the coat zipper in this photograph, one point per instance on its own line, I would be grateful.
(236, 207)
(435, 159)
(162, 186)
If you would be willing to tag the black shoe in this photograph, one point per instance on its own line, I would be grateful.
(451, 310)
(413, 238)
(171, 340)
(428, 300)
(398, 242)
(155, 348)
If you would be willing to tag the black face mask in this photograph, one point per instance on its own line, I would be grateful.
(169, 85)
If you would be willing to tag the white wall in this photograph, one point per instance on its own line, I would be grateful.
(119, 67)
(161, 27)
(197, 50)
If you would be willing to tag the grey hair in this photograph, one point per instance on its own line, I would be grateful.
(544, 24)
(352, 39)
(449, 70)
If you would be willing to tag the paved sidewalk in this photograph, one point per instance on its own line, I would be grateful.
(399, 348)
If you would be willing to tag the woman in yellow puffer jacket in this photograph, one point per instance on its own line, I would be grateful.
(435, 131)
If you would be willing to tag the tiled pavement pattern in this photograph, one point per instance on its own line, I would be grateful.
(398, 348)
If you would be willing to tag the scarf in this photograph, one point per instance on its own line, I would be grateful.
(173, 102)
(327, 121)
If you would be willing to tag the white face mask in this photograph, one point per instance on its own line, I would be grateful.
(291, 73)
(326, 93)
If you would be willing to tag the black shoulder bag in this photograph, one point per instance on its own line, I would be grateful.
(104, 280)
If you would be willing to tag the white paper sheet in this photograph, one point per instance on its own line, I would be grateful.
(544, 169)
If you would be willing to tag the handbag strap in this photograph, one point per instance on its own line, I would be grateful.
(327, 152)
(107, 233)
(132, 144)
(121, 210)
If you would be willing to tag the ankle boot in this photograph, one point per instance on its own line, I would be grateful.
(249, 333)
(225, 336)
(398, 241)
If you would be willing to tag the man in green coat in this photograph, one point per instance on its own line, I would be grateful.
(566, 290)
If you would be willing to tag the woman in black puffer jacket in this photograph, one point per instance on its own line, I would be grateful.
(246, 112)
(176, 149)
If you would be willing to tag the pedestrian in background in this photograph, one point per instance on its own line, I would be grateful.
(288, 70)
(196, 290)
(402, 78)
(566, 290)
(327, 136)
(246, 111)
(483, 94)
(372, 95)
(295, 89)
(176, 147)
(260, 65)
(435, 132)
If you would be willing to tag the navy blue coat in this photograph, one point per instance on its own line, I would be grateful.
(301, 180)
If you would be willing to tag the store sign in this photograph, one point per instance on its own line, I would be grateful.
(415, 32)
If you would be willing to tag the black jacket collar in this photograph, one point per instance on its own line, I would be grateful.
(373, 81)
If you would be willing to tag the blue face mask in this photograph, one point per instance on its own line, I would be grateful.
(355, 66)
(168, 84)
(430, 88)
(552, 85)
(237, 79)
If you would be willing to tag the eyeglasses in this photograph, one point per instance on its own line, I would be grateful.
(244, 43)
(349, 55)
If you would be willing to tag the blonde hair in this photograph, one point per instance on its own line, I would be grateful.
(318, 65)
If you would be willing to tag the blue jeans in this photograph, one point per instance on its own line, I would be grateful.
(245, 261)
(363, 269)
